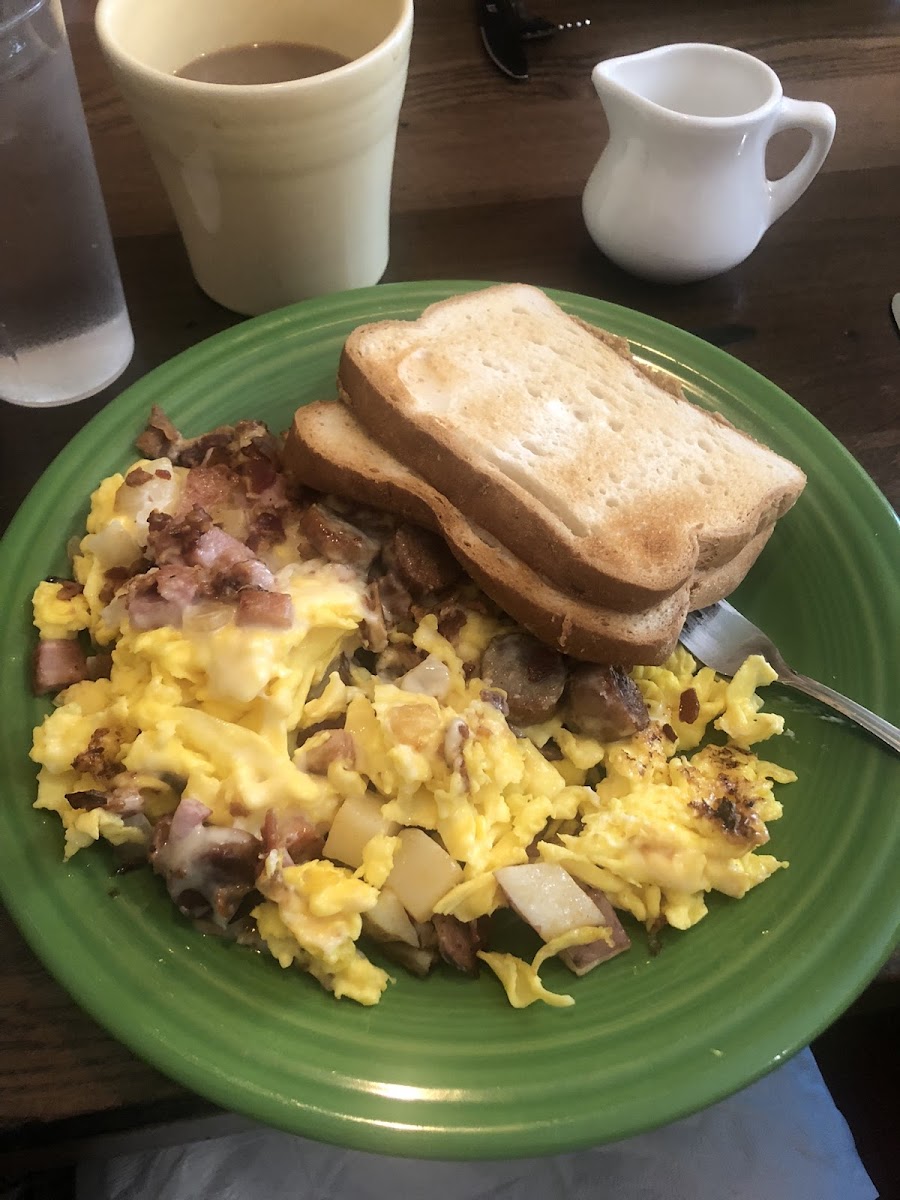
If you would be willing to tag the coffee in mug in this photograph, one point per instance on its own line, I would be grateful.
(280, 186)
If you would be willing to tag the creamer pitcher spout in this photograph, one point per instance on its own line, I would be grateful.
(625, 76)
(680, 191)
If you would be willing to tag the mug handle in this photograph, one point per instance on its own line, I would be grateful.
(818, 120)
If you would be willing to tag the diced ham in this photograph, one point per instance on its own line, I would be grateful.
(56, 663)
(274, 610)
(215, 549)
(187, 816)
(147, 608)
(178, 585)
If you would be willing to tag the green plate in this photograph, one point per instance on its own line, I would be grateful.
(443, 1067)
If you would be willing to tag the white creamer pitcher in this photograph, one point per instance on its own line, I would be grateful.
(680, 191)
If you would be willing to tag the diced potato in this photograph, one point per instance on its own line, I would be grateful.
(548, 898)
(357, 821)
(423, 872)
(582, 959)
(388, 921)
(114, 546)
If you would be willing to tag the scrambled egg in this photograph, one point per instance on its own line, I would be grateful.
(219, 713)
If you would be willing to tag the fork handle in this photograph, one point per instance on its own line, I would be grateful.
(881, 728)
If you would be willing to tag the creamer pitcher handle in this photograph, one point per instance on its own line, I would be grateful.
(818, 121)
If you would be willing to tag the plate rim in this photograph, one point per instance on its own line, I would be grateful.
(408, 295)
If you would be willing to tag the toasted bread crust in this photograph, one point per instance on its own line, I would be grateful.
(715, 583)
(326, 449)
(645, 552)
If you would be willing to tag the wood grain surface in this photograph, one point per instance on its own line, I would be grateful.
(488, 180)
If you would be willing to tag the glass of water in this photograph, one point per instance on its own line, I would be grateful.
(64, 327)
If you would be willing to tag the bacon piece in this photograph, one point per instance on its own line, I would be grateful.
(275, 610)
(56, 663)
(69, 589)
(148, 610)
(114, 577)
(266, 529)
(336, 539)
(159, 596)
(202, 450)
(171, 540)
(90, 799)
(688, 706)
(125, 800)
(138, 477)
(196, 542)
(100, 757)
(160, 439)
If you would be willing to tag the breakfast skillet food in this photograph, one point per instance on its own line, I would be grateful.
(317, 731)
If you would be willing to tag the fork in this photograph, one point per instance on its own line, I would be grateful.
(722, 638)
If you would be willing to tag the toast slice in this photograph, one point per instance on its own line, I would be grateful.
(544, 431)
(328, 450)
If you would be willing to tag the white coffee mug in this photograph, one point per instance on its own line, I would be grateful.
(281, 190)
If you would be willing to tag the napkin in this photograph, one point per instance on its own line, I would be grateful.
(781, 1138)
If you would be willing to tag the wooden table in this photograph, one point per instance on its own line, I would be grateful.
(488, 181)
